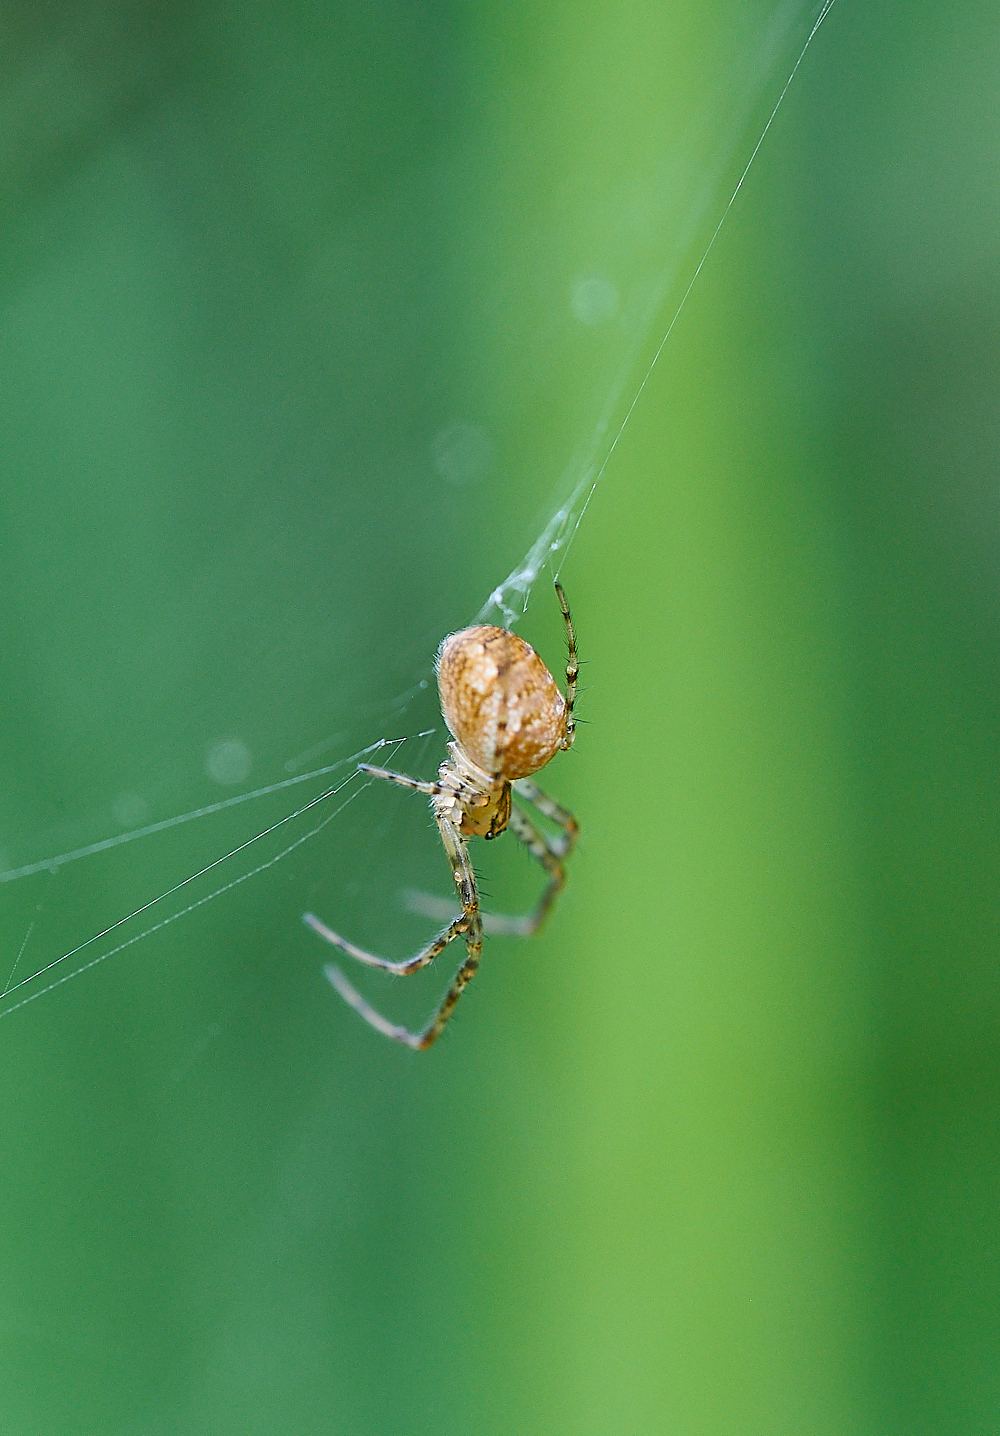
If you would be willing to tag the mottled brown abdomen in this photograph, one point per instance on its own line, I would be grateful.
(500, 701)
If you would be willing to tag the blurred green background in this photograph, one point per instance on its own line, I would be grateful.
(309, 315)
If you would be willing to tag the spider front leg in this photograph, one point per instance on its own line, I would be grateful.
(468, 925)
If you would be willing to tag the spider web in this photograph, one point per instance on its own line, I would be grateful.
(686, 199)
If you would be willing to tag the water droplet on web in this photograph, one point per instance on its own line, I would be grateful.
(229, 761)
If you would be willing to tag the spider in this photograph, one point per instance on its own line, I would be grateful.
(507, 718)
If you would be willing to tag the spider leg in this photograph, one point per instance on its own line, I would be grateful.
(364, 1009)
(562, 847)
(468, 925)
(441, 910)
(430, 788)
(572, 666)
(419, 1041)
(461, 980)
(469, 795)
(401, 969)
(548, 851)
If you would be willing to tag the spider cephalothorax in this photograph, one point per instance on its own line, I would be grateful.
(507, 718)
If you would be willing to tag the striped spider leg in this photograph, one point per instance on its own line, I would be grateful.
(508, 719)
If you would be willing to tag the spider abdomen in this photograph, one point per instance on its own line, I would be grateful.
(500, 702)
